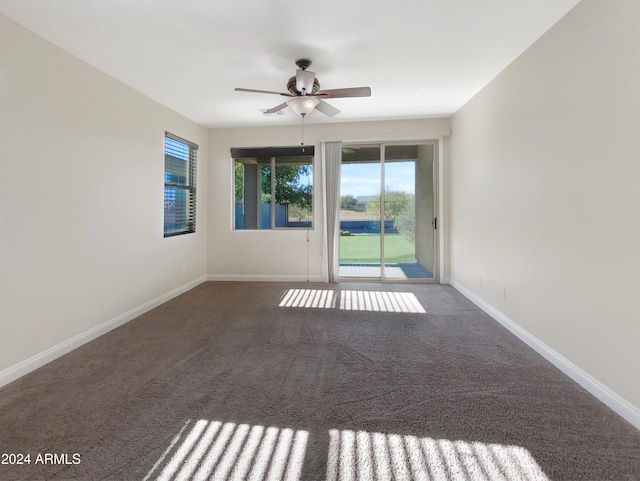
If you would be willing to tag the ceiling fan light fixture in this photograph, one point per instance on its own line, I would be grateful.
(303, 105)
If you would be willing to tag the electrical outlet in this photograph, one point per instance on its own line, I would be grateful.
(480, 279)
(503, 292)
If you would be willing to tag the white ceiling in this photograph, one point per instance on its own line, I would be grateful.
(421, 58)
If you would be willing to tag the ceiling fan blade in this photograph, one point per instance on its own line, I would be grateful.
(304, 81)
(286, 94)
(327, 109)
(275, 109)
(348, 92)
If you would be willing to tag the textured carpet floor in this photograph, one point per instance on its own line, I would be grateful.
(237, 380)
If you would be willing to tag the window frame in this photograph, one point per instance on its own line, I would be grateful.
(189, 186)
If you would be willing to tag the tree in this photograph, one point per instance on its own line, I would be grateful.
(347, 202)
(239, 175)
(394, 203)
(405, 222)
(289, 184)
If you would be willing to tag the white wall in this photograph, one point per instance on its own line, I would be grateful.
(81, 198)
(544, 192)
(280, 254)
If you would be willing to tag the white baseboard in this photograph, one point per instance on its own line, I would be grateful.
(264, 278)
(34, 362)
(611, 399)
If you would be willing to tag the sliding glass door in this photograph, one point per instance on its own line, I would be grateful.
(388, 214)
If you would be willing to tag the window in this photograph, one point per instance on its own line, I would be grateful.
(180, 158)
(273, 187)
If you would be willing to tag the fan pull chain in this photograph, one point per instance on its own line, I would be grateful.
(302, 131)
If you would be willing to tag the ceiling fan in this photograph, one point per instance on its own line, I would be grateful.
(305, 93)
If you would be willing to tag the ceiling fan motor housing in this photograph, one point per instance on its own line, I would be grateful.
(291, 87)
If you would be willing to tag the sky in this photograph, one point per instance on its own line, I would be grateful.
(364, 178)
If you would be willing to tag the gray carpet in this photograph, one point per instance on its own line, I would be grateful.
(237, 380)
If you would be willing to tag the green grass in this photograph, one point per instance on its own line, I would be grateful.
(365, 248)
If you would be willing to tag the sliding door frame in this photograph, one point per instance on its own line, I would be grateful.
(437, 182)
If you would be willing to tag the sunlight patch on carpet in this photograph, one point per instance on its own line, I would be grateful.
(315, 298)
(212, 450)
(380, 301)
(377, 456)
(353, 300)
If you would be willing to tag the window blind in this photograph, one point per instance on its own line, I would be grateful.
(180, 161)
